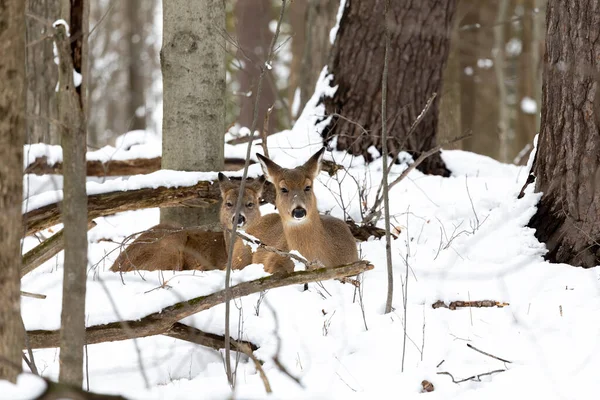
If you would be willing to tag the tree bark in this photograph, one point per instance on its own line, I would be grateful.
(297, 17)
(320, 18)
(136, 109)
(74, 211)
(193, 67)
(254, 37)
(12, 139)
(420, 34)
(42, 74)
(567, 163)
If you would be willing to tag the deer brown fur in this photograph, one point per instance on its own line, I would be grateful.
(170, 247)
(298, 225)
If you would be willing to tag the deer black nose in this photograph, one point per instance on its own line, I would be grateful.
(241, 220)
(298, 213)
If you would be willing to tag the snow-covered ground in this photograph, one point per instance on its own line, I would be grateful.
(459, 238)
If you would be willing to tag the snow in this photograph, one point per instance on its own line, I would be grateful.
(528, 105)
(28, 387)
(460, 238)
(338, 18)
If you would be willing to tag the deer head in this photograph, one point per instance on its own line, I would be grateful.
(295, 198)
(230, 191)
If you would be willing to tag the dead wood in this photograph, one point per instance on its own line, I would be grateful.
(103, 204)
(475, 303)
(45, 251)
(162, 322)
(136, 166)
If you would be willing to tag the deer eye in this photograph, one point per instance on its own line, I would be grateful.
(307, 189)
(284, 190)
(250, 205)
(229, 204)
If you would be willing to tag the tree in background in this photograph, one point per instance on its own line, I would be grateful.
(12, 138)
(567, 162)
(319, 20)
(420, 37)
(495, 83)
(253, 39)
(41, 71)
(124, 68)
(193, 68)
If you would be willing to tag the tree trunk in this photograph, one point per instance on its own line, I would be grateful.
(567, 162)
(12, 139)
(71, 105)
(254, 39)
(480, 93)
(449, 122)
(320, 18)
(41, 74)
(136, 109)
(297, 16)
(420, 34)
(193, 67)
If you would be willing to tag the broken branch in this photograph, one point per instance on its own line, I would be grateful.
(475, 303)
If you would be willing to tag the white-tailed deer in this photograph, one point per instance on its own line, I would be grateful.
(169, 247)
(298, 225)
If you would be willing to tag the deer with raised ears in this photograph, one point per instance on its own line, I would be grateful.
(299, 226)
(169, 247)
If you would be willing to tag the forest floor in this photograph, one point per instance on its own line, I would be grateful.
(462, 238)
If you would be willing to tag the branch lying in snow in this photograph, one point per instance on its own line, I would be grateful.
(164, 322)
(44, 251)
(103, 204)
(471, 378)
(299, 258)
(475, 303)
(135, 166)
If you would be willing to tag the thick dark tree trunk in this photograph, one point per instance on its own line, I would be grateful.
(420, 38)
(12, 138)
(567, 164)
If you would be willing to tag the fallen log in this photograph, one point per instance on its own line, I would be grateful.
(475, 303)
(135, 166)
(207, 192)
(164, 322)
(45, 251)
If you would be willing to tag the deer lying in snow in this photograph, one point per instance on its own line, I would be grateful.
(169, 247)
(298, 225)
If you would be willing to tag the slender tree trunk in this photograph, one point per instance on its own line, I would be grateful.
(254, 38)
(526, 120)
(297, 17)
(320, 18)
(420, 34)
(12, 139)
(71, 105)
(567, 163)
(42, 74)
(136, 67)
(480, 93)
(449, 122)
(193, 67)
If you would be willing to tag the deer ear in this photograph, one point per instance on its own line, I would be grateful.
(224, 182)
(258, 184)
(313, 165)
(270, 169)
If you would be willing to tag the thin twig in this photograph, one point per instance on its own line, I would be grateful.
(487, 354)
(34, 295)
(386, 198)
(267, 65)
(265, 131)
(31, 361)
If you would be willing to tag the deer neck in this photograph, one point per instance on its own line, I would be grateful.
(306, 237)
